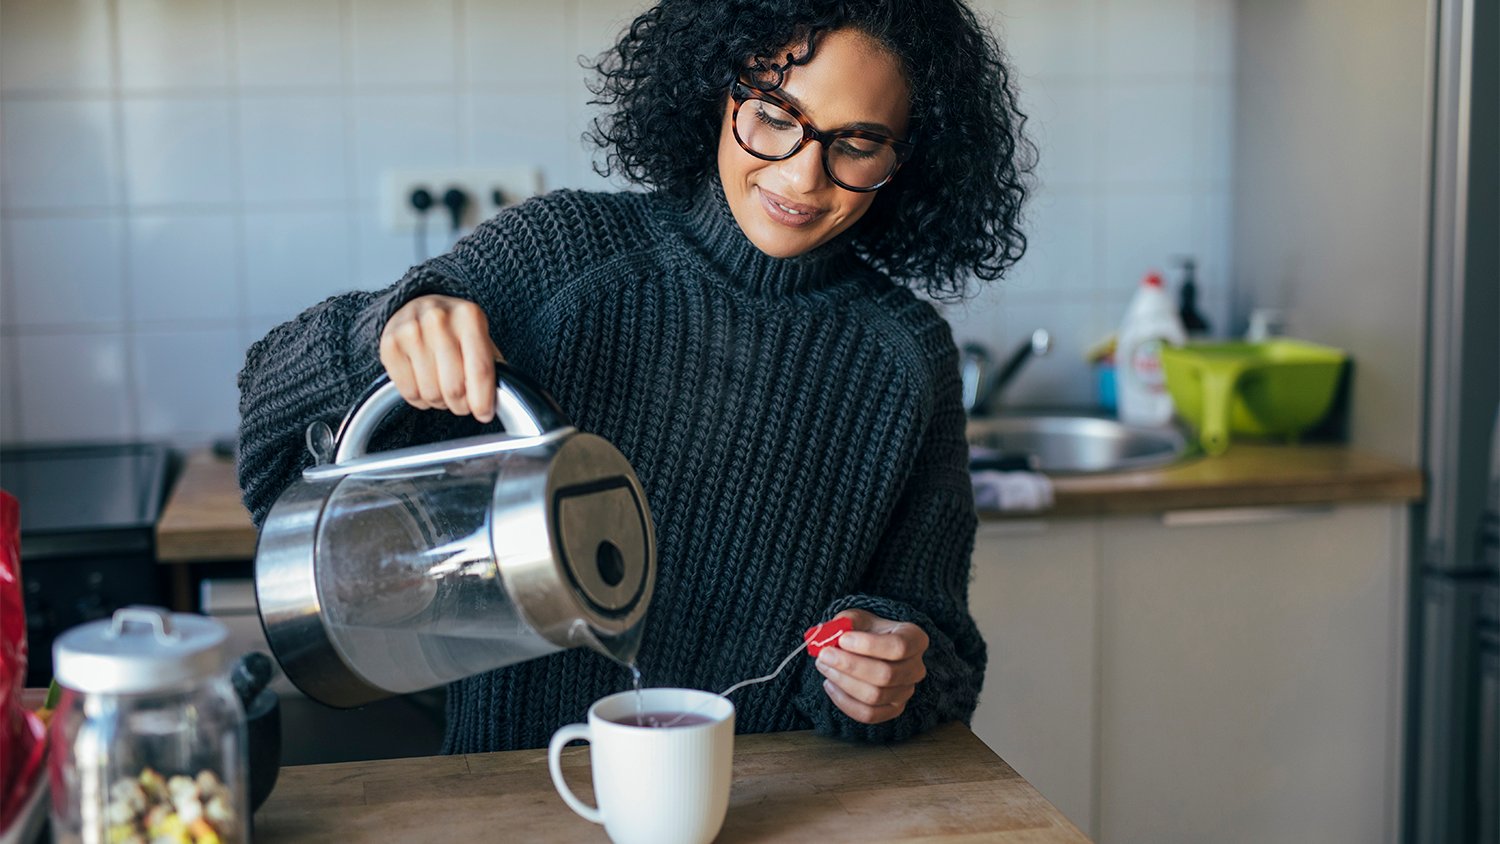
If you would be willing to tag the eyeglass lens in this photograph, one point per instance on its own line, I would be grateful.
(770, 130)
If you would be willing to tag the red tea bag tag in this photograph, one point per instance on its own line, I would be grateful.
(825, 635)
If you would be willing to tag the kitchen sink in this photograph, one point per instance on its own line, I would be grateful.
(1070, 444)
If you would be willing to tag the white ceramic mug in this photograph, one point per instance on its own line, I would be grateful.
(654, 785)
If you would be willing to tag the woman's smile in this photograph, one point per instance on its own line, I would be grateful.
(786, 212)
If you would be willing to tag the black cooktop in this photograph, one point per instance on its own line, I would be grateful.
(78, 497)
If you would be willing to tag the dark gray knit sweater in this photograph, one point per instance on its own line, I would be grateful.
(796, 424)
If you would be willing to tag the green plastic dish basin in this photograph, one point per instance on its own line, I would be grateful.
(1275, 388)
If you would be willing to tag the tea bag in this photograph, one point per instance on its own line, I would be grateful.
(817, 637)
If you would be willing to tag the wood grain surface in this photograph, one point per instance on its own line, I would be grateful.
(946, 786)
(1248, 475)
(204, 518)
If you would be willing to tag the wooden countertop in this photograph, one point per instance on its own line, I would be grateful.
(946, 786)
(1247, 475)
(205, 520)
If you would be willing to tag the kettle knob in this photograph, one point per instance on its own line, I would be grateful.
(523, 407)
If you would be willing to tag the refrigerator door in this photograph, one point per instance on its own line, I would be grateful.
(1444, 801)
(1447, 700)
(1487, 779)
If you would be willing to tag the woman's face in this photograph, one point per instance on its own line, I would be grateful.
(789, 207)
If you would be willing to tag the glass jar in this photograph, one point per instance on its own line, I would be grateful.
(148, 740)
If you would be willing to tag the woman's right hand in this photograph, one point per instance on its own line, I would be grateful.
(438, 352)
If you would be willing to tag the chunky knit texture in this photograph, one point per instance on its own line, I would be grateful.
(796, 424)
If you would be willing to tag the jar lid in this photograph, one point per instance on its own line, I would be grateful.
(140, 649)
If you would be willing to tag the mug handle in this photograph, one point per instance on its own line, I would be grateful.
(554, 764)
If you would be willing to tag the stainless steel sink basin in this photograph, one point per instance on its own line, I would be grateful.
(1070, 445)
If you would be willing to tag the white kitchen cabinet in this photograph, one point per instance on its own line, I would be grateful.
(1034, 599)
(1250, 677)
(1225, 676)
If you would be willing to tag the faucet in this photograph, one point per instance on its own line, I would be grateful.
(979, 386)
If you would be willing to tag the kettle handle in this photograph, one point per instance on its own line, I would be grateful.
(521, 404)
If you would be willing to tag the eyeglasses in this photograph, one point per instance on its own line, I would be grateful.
(772, 129)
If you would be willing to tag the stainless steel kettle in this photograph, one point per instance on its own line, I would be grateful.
(386, 573)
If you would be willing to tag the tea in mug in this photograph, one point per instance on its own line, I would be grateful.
(663, 719)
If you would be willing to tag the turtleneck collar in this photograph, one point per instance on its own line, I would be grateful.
(707, 220)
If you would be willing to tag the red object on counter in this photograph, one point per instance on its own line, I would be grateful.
(826, 635)
(23, 743)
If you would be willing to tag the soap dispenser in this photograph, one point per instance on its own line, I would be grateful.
(1150, 323)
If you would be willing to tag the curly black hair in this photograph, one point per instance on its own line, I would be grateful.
(951, 214)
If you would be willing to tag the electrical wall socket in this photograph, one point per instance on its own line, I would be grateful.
(480, 183)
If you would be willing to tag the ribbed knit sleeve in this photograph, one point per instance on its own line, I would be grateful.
(920, 574)
(316, 365)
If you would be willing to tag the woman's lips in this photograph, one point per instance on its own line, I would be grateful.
(785, 211)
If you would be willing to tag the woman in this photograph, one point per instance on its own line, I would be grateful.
(744, 333)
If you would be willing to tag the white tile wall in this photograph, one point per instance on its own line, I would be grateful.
(58, 153)
(66, 271)
(379, 257)
(290, 43)
(1150, 38)
(1055, 39)
(1062, 246)
(294, 259)
(522, 126)
(292, 150)
(1148, 134)
(177, 176)
(74, 386)
(404, 43)
(173, 44)
(178, 151)
(54, 44)
(517, 45)
(403, 131)
(184, 268)
(187, 382)
(1062, 119)
(1144, 231)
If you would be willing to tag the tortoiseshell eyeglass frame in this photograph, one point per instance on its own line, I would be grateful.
(742, 93)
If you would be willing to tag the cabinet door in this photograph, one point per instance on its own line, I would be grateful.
(1250, 678)
(1033, 596)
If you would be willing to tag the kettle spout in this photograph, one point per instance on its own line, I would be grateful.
(621, 647)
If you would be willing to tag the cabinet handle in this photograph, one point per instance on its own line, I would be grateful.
(1242, 515)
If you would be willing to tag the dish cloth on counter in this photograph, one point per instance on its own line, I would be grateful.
(1011, 491)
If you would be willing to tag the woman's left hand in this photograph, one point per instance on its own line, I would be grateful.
(876, 667)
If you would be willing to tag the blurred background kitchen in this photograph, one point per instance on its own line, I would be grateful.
(181, 175)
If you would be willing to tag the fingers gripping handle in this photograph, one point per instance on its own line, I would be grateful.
(554, 764)
(523, 407)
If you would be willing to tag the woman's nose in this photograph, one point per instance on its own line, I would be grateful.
(804, 170)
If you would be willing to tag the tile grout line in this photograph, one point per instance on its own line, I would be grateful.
(463, 105)
(125, 218)
(350, 115)
(237, 156)
(1099, 146)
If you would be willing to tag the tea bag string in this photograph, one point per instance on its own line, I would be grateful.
(773, 675)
